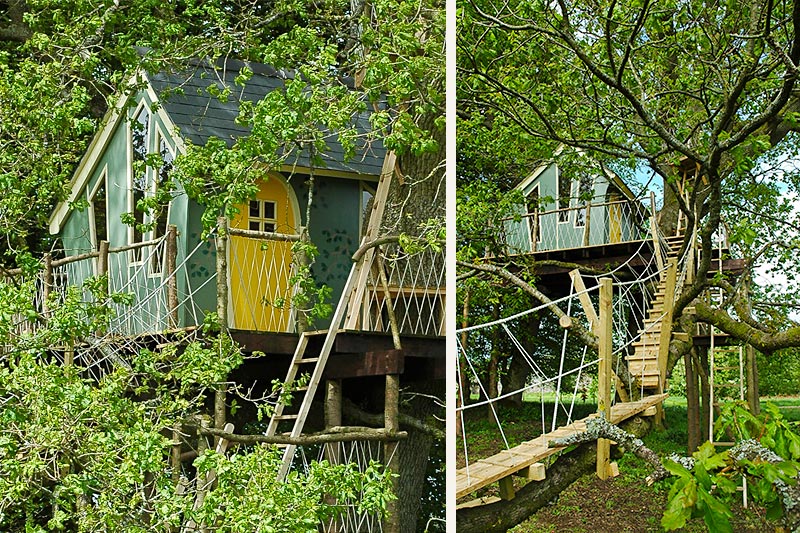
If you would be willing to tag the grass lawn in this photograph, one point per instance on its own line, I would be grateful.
(622, 504)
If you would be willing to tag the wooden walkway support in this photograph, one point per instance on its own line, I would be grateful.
(519, 458)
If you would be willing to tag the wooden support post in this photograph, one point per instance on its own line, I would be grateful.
(534, 472)
(47, 281)
(654, 232)
(535, 230)
(172, 280)
(221, 242)
(605, 333)
(333, 415)
(391, 413)
(102, 262)
(507, 488)
(666, 332)
(587, 221)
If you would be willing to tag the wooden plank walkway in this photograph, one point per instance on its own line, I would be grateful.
(508, 462)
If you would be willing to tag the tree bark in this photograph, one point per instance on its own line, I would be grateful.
(502, 515)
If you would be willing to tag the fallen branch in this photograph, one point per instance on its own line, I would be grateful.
(335, 434)
(601, 428)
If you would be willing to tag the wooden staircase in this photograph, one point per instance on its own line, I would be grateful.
(644, 363)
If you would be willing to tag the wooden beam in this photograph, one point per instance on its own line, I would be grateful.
(380, 363)
(534, 472)
(507, 488)
(583, 297)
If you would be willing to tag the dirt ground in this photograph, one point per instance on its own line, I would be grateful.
(622, 505)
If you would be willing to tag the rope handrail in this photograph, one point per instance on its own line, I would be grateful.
(526, 312)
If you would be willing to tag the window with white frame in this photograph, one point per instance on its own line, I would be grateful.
(98, 200)
(140, 177)
(262, 215)
(564, 189)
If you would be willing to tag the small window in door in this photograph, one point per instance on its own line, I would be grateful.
(262, 216)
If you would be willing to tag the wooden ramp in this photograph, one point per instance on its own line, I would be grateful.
(513, 461)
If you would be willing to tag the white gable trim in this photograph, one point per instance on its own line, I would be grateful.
(90, 159)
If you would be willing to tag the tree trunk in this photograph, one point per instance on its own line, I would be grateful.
(504, 514)
(416, 196)
(692, 401)
(492, 373)
(705, 392)
(413, 461)
(519, 369)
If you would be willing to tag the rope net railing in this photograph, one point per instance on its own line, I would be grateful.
(409, 284)
(360, 454)
(592, 224)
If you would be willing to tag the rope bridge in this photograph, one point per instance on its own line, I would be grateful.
(627, 316)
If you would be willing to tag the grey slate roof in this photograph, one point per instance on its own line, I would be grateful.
(199, 116)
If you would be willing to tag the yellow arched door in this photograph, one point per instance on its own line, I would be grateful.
(260, 269)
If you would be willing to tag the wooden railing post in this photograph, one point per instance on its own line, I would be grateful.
(654, 232)
(221, 242)
(47, 281)
(535, 231)
(102, 263)
(605, 334)
(587, 221)
(222, 312)
(172, 280)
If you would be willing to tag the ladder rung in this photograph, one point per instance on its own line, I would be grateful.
(285, 417)
(306, 360)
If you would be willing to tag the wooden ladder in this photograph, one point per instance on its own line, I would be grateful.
(353, 291)
(300, 362)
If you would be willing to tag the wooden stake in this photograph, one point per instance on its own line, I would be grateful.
(172, 281)
(605, 333)
(587, 221)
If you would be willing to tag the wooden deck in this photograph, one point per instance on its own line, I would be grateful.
(509, 462)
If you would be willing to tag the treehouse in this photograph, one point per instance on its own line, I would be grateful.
(387, 322)
(568, 210)
(166, 114)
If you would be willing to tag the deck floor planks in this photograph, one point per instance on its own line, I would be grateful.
(507, 462)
